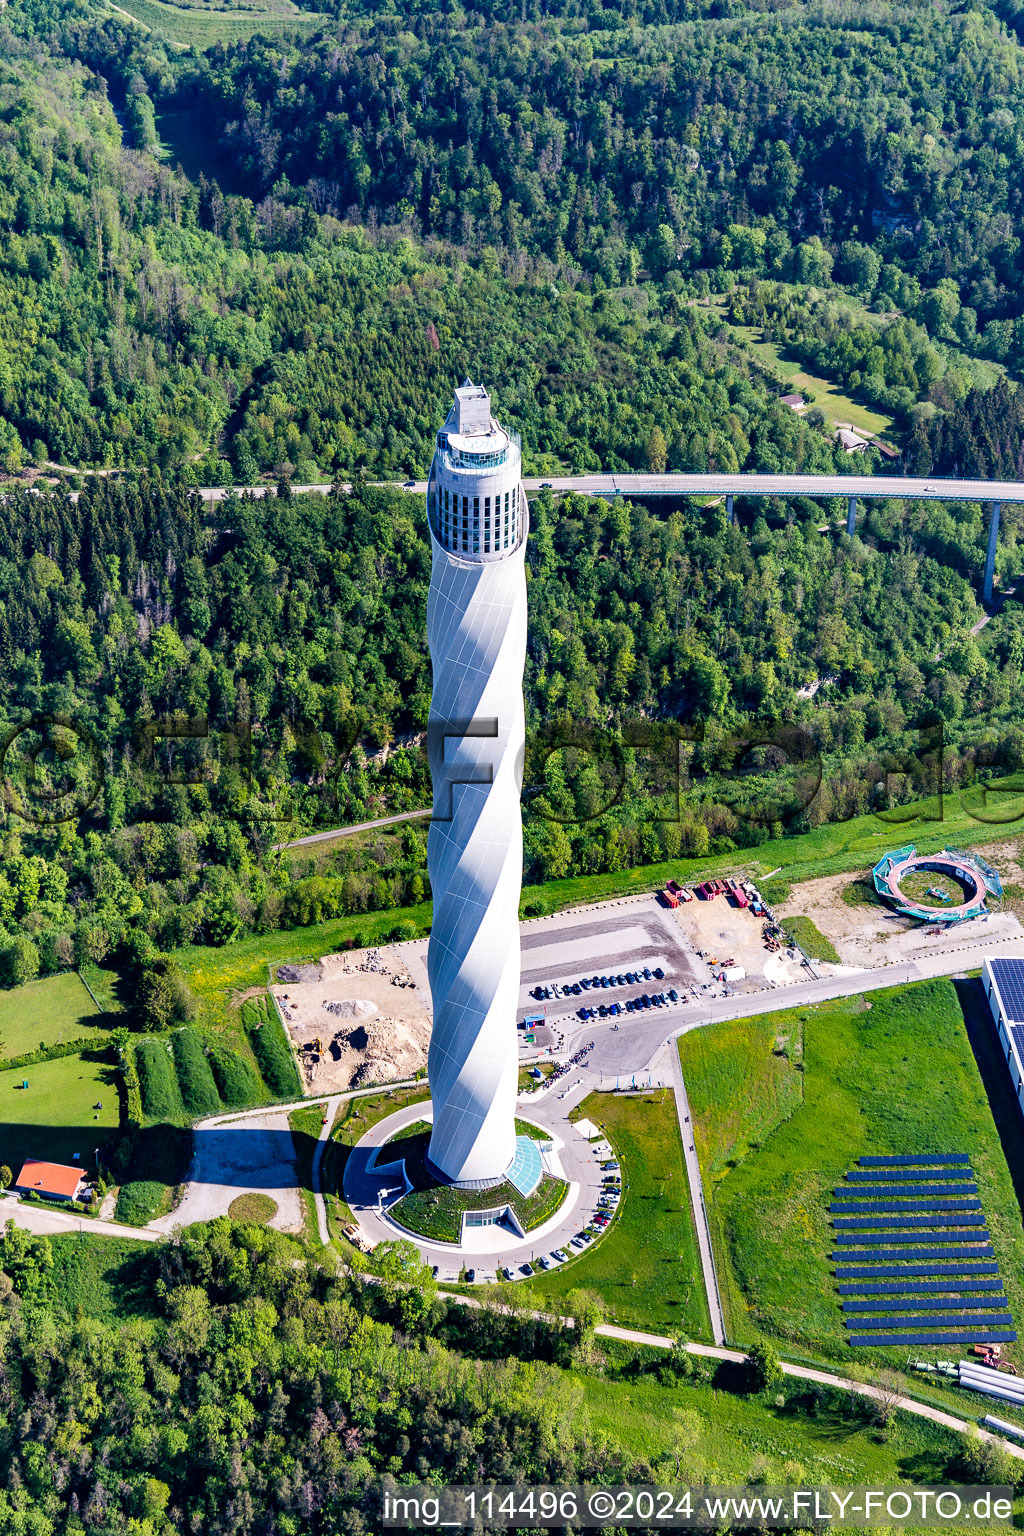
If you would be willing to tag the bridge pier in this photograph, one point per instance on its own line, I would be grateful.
(990, 558)
(730, 515)
(851, 516)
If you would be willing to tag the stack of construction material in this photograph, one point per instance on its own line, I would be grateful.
(982, 1378)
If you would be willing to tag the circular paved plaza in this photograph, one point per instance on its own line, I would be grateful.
(371, 1172)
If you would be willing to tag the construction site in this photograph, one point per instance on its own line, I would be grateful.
(355, 1019)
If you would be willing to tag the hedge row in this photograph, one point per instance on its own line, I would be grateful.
(271, 1049)
(161, 1099)
(132, 1086)
(52, 1052)
(237, 1083)
(33, 1197)
(195, 1079)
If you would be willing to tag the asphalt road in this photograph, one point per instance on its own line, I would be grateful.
(633, 1047)
(362, 826)
(932, 488)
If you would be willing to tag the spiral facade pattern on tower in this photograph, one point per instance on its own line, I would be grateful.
(476, 627)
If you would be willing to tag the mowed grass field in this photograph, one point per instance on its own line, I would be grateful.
(723, 1436)
(45, 1012)
(891, 1074)
(828, 397)
(54, 1117)
(200, 25)
(647, 1267)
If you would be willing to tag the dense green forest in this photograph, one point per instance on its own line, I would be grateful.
(538, 200)
(592, 209)
(180, 693)
(247, 1391)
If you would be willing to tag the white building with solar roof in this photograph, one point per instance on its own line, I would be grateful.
(476, 627)
(1003, 980)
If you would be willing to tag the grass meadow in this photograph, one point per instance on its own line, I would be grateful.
(47, 1012)
(724, 1436)
(200, 25)
(55, 1116)
(647, 1266)
(894, 1073)
(811, 939)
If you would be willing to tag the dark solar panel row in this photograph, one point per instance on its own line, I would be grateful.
(864, 1207)
(887, 1255)
(898, 1175)
(933, 1219)
(925, 1157)
(926, 1303)
(954, 1320)
(1006, 1337)
(881, 1192)
(899, 1288)
(895, 1239)
(896, 1271)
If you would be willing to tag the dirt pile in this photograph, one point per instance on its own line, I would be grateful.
(355, 1018)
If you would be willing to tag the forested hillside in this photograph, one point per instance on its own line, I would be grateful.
(216, 685)
(627, 221)
(248, 1391)
(579, 181)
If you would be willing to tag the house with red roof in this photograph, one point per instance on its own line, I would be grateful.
(55, 1181)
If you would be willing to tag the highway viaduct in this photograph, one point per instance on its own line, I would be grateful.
(996, 493)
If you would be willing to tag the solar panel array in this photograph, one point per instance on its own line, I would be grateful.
(1017, 1031)
(844, 1191)
(919, 1287)
(843, 1255)
(951, 1320)
(894, 1175)
(895, 1239)
(1009, 978)
(927, 1304)
(868, 1206)
(968, 1267)
(933, 1219)
(958, 1337)
(882, 1240)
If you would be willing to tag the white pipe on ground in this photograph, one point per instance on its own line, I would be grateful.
(991, 1390)
(1001, 1425)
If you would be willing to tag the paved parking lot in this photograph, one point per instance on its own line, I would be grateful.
(614, 937)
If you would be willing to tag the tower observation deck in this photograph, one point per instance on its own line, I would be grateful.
(476, 627)
(475, 498)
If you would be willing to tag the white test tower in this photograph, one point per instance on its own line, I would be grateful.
(476, 626)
